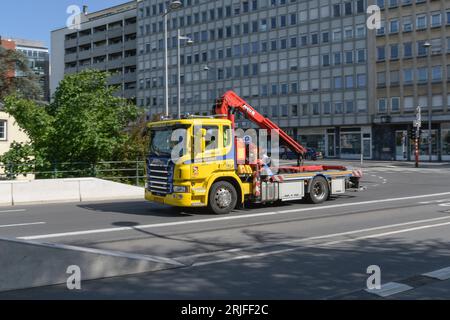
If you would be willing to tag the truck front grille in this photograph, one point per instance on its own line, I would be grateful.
(160, 178)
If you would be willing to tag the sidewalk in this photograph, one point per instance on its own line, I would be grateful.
(381, 164)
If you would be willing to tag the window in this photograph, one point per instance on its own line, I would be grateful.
(337, 58)
(381, 79)
(362, 80)
(380, 31)
(314, 38)
(349, 106)
(407, 24)
(337, 35)
(338, 82)
(408, 76)
(293, 19)
(421, 49)
(407, 50)
(393, 26)
(349, 57)
(336, 10)
(421, 22)
(325, 37)
(338, 107)
(394, 51)
(382, 105)
(380, 3)
(360, 6)
(395, 104)
(3, 125)
(361, 105)
(381, 53)
(283, 21)
(408, 103)
(293, 42)
(394, 77)
(436, 72)
(348, 8)
(294, 110)
(326, 60)
(437, 102)
(349, 82)
(436, 19)
(393, 3)
(422, 74)
(361, 55)
(327, 107)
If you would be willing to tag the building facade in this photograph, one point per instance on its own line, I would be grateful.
(106, 41)
(304, 64)
(38, 61)
(413, 69)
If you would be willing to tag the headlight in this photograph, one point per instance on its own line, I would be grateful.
(180, 189)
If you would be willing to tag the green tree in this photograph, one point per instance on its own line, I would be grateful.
(84, 123)
(26, 85)
(20, 159)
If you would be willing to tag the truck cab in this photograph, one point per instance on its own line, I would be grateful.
(186, 157)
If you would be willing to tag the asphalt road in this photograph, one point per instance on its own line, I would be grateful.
(400, 222)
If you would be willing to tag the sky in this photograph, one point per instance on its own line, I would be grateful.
(34, 20)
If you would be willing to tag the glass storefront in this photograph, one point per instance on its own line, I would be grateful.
(351, 143)
(402, 145)
(445, 144)
(424, 154)
(315, 141)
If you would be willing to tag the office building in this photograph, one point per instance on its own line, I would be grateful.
(301, 63)
(412, 69)
(105, 41)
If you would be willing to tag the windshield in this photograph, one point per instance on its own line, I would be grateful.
(163, 140)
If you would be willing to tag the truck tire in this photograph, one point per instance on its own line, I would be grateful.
(222, 198)
(319, 191)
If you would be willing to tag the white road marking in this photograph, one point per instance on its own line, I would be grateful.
(20, 224)
(387, 233)
(441, 274)
(333, 235)
(389, 289)
(100, 251)
(244, 216)
(11, 211)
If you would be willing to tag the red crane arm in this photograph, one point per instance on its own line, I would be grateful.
(230, 102)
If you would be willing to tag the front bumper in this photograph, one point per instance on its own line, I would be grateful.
(174, 199)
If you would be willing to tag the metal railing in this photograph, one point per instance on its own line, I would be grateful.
(129, 172)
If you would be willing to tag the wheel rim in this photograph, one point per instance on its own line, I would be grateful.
(319, 190)
(223, 198)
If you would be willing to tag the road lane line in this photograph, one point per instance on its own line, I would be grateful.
(441, 274)
(244, 216)
(20, 224)
(389, 289)
(267, 253)
(333, 235)
(11, 211)
(387, 233)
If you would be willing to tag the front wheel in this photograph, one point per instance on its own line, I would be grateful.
(222, 197)
(319, 191)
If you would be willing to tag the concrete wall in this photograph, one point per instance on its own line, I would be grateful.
(65, 190)
(28, 264)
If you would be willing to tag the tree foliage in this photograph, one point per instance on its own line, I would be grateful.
(26, 85)
(84, 123)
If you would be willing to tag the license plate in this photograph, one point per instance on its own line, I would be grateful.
(159, 199)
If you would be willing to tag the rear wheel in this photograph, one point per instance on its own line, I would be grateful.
(319, 191)
(222, 197)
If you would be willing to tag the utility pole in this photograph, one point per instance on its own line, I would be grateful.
(417, 125)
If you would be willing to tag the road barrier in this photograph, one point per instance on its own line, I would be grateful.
(14, 192)
(28, 264)
(129, 172)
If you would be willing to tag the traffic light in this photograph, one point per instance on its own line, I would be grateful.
(412, 133)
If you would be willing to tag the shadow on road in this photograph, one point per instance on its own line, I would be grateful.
(306, 273)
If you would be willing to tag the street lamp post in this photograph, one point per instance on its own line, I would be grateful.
(174, 5)
(188, 41)
(428, 46)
